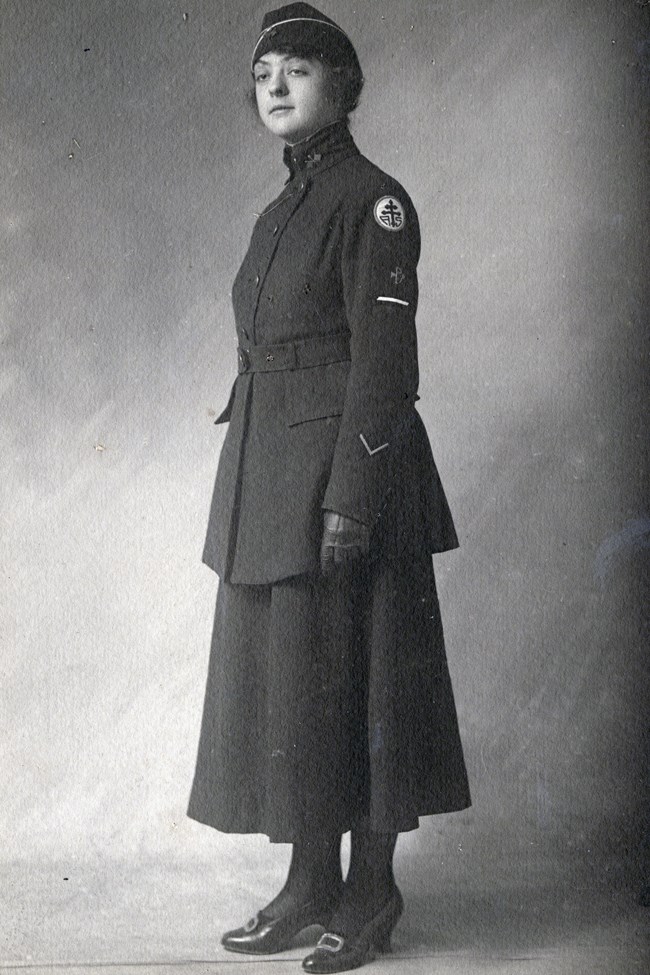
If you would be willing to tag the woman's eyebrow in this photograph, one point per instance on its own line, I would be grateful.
(283, 57)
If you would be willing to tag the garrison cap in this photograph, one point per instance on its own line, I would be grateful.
(300, 23)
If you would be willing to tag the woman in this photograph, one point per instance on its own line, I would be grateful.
(328, 704)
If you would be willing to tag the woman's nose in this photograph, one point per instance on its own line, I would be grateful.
(278, 85)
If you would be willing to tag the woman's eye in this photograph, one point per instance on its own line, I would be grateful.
(260, 77)
(297, 71)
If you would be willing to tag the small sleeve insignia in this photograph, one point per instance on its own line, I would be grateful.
(389, 213)
(372, 450)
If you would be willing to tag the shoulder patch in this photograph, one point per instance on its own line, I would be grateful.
(389, 213)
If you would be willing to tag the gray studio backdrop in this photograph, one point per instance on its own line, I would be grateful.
(132, 170)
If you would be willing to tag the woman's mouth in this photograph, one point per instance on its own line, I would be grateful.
(281, 108)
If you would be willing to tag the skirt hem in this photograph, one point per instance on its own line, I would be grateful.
(406, 826)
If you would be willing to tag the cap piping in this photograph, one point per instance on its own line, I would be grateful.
(293, 20)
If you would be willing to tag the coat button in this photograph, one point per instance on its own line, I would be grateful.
(270, 357)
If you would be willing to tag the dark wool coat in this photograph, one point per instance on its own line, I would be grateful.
(322, 412)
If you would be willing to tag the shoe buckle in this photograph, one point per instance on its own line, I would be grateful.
(331, 942)
(252, 924)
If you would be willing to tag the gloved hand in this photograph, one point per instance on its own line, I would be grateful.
(345, 540)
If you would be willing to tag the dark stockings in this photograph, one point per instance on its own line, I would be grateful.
(370, 881)
(314, 875)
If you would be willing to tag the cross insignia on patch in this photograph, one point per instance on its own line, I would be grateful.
(397, 275)
(389, 213)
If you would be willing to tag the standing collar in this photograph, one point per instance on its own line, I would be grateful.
(320, 149)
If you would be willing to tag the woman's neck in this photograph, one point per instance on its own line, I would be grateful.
(306, 138)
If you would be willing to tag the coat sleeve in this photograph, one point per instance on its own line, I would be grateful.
(381, 247)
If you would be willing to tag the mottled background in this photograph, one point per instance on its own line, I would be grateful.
(132, 167)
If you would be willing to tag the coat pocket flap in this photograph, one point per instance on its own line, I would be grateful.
(315, 392)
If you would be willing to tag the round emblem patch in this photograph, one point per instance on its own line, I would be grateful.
(389, 213)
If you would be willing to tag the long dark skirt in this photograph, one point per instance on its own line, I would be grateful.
(328, 704)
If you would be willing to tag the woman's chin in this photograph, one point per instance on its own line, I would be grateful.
(284, 126)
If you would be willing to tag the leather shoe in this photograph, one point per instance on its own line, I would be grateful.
(264, 935)
(337, 954)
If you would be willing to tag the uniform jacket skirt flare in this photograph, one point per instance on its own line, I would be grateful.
(328, 701)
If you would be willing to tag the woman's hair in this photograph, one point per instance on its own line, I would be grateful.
(346, 79)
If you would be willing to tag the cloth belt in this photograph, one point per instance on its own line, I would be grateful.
(300, 354)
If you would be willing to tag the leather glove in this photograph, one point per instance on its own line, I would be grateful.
(345, 541)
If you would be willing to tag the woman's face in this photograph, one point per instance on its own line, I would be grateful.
(294, 95)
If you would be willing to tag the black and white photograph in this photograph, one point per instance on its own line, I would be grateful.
(325, 517)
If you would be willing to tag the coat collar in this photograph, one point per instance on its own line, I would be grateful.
(321, 150)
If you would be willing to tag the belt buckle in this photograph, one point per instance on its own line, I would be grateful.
(244, 359)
